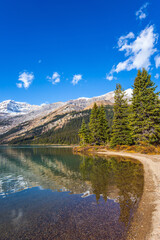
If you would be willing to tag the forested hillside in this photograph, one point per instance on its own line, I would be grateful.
(67, 134)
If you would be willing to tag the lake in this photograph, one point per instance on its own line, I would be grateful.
(50, 193)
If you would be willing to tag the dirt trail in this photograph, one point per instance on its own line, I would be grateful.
(146, 223)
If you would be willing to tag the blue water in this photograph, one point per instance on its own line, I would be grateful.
(49, 193)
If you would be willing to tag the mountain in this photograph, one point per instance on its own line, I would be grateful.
(56, 122)
(11, 108)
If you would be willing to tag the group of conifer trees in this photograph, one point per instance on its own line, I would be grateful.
(136, 122)
(97, 132)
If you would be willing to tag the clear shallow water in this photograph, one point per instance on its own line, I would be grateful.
(49, 193)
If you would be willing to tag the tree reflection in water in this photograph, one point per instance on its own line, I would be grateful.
(118, 178)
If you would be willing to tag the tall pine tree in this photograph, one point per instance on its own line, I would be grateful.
(103, 129)
(93, 125)
(145, 110)
(121, 134)
(83, 134)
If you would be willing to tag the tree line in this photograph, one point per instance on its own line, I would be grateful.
(137, 122)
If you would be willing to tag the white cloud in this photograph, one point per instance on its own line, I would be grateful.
(25, 79)
(39, 61)
(55, 78)
(141, 13)
(123, 39)
(137, 51)
(157, 61)
(55, 75)
(156, 76)
(76, 79)
(19, 85)
(110, 76)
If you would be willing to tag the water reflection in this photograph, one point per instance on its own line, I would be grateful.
(50, 168)
(115, 178)
(85, 191)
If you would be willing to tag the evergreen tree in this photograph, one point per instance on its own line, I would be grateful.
(120, 131)
(83, 133)
(103, 129)
(145, 110)
(93, 125)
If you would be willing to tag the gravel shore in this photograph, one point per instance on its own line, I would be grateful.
(146, 222)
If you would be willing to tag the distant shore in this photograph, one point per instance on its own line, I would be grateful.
(42, 145)
(146, 222)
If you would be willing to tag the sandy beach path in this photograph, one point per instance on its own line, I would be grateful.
(146, 222)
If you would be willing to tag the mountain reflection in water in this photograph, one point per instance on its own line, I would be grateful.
(105, 189)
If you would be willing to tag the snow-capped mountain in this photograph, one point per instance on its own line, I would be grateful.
(23, 117)
(11, 107)
(108, 97)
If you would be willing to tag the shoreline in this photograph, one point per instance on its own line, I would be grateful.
(41, 145)
(146, 221)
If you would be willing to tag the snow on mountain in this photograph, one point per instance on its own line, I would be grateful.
(13, 114)
(109, 97)
(11, 107)
(129, 93)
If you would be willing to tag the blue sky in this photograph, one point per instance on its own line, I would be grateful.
(56, 50)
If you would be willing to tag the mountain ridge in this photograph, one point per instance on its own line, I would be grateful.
(49, 119)
(12, 108)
